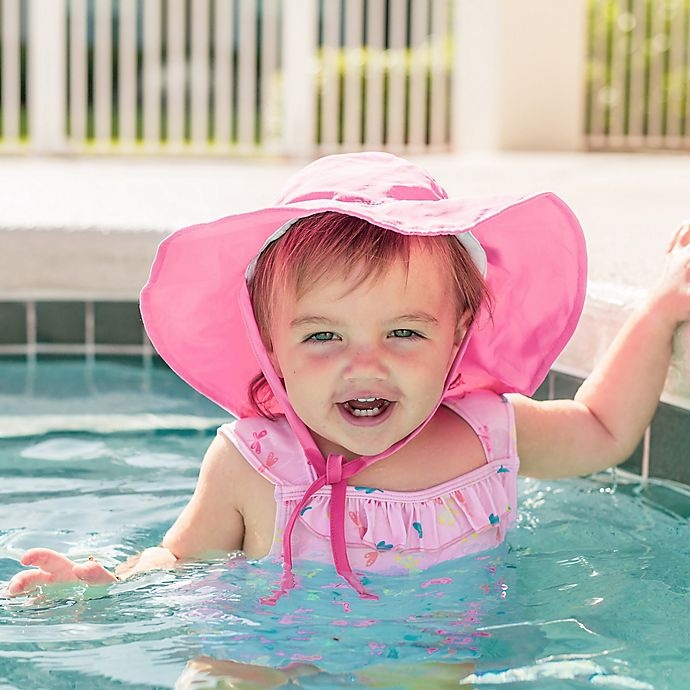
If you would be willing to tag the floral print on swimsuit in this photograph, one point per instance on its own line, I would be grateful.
(391, 530)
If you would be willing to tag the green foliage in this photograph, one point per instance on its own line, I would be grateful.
(381, 64)
(638, 68)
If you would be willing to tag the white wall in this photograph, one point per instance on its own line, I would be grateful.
(519, 74)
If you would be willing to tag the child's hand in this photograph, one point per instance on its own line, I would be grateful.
(670, 299)
(54, 568)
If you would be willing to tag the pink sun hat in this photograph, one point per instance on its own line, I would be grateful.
(530, 248)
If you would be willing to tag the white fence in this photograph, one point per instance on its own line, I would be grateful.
(12, 69)
(639, 74)
(225, 76)
(304, 77)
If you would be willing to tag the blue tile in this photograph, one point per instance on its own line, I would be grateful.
(565, 386)
(12, 323)
(670, 444)
(60, 322)
(118, 323)
(542, 393)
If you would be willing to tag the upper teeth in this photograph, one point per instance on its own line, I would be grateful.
(368, 412)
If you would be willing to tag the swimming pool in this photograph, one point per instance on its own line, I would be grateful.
(590, 589)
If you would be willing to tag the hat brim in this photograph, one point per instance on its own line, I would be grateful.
(537, 273)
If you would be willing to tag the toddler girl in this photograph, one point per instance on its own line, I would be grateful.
(377, 343)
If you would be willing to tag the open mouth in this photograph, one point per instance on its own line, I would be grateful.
(366, 407)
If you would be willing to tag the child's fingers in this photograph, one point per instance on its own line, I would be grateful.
(49, 561)
(681, 237)
(27, 580)
(93, 573)
(55, 568)
(684, 234)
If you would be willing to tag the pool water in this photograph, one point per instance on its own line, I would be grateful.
(590, 589)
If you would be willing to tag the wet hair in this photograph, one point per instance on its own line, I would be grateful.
(337, 245)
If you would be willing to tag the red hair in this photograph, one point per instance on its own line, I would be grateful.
(334, 244)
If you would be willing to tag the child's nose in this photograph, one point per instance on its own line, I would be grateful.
(366, 363)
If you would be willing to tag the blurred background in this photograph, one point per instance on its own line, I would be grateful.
(305, 77)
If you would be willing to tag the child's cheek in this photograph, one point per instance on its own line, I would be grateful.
(313, 365)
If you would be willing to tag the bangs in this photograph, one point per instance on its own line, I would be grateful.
(333, 245)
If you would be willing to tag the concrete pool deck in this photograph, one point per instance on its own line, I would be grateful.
(87, 227)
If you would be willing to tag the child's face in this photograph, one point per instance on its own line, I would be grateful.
(392, 339)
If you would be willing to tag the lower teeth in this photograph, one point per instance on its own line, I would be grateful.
(366, 413)
(373, 412)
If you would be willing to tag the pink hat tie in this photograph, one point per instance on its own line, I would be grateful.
(337, 474)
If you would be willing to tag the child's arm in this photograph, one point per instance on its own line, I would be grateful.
(603, 424)
(211, 523)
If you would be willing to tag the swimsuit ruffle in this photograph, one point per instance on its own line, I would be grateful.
(460, 517)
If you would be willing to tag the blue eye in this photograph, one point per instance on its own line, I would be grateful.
(322, 337)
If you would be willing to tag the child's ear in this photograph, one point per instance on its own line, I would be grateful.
(461, 328)
(457, 342)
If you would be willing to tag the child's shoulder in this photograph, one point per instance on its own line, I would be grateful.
(481, 405)
(491, 417)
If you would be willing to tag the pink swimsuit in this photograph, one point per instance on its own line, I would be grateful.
(392, 530)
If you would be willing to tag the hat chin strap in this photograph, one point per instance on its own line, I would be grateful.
(333, 470)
